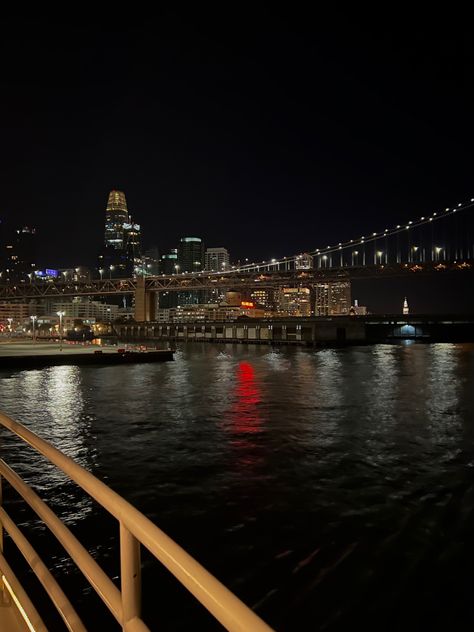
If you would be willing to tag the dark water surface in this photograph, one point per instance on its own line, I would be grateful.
(332, 489)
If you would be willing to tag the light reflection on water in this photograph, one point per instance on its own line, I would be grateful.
(321, 449)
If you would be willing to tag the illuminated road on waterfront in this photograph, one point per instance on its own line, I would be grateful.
(331, 486)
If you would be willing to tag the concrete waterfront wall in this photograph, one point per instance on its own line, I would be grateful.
(299, 331)
(317, 331)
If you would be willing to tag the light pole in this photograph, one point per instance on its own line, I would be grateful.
(438, 250)
(60, 314)
(380, 255)
(354, 254)
(101, 272)
(33, 320)
(10, 320)
(110, 271)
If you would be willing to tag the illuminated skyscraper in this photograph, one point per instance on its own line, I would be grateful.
(121, 255)
(217, 259)
(332, 298)
(191, 254)
(116, 216)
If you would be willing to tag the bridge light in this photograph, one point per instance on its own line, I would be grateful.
(410, 223)
(398, 226)
(431, 219)
(459, 204)
(472, 199)
(325, 257)
(422, 218)
(374, 234)
(434, 214)
(407, 226)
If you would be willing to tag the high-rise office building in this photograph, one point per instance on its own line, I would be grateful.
(190, 254)
(294, 301)
(151, 261)
(132, 247)
(169, 262)
(332, 298)
(116, 216)
(217, 259)
(19, 254)
(121, 254)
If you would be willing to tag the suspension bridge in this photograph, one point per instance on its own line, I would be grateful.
(432, 244)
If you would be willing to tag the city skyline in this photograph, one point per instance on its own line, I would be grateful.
(308, 129)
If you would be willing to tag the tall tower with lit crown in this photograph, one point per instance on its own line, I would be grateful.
(406, 309)
(116, 215)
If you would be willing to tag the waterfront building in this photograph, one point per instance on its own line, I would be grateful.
(332, 298)
(13, 313)
(304, 261)
(265, 298)
(209, 312)
(86, 309)
(358, 310)
(217, 259)
(294, 301)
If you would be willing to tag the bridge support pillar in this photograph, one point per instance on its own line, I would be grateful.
(145, 302)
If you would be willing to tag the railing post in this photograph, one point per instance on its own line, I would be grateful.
(4, 597)
(130, 572)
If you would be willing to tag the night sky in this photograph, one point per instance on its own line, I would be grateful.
(267, 133)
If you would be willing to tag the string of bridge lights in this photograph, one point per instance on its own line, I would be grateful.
(352, 243)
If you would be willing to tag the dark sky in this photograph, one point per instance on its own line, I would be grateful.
(268, 133)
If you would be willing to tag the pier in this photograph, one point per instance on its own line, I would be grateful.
(30, 355)
(316, 331)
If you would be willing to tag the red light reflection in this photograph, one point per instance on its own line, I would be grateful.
(244, 414)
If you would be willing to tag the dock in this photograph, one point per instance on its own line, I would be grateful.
(30, 355)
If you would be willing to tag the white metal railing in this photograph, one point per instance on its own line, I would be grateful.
(135, 530)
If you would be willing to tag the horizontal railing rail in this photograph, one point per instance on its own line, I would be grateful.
(135, 530)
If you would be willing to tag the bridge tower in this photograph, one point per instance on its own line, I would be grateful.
(145, 302)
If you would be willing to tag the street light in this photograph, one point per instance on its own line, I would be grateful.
(10, 320)
(438, 249)
(110, 270)
(101, 272)
(33, 320)
(380, 255)
(354, 254)
(60, 314)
